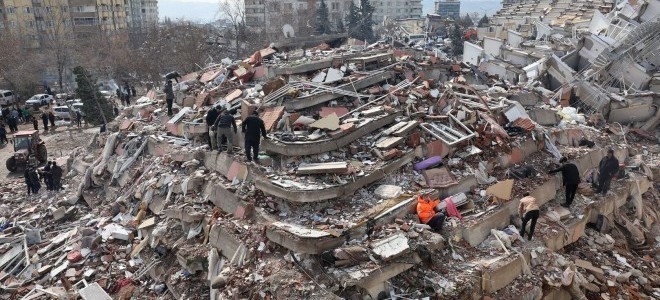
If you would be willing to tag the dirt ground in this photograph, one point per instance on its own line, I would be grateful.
(59, 143)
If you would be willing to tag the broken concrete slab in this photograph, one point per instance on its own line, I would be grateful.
(390, 247)
(94, 292)
(323, 168)
(330, 122)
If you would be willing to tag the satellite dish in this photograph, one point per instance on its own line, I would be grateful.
(288, 31)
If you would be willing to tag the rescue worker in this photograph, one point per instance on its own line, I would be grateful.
(251, 127)
(427, 214)
(211, 117)
(56, 177)
(32, 180)
(51, 118)
(44, 119)
(169, 96)
(570, 176)
(47, 176)
(607, 168)
(529, 211)
(223, 126)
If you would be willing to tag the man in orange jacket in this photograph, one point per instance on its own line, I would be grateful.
(426, 212)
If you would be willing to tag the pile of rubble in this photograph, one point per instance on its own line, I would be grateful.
(354, 136)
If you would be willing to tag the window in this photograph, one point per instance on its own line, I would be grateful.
(288, 6)
(47, 9)
(335, 6)
(27, 10)
(12, 24)
(79, 9)
(65, 8)
(49, 24)
(11, 10)
(29, 24)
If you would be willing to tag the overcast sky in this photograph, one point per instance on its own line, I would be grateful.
(207, 10)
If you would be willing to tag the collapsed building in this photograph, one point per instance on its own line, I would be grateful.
(355, 134)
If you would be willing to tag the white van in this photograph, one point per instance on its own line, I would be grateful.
(7, 97)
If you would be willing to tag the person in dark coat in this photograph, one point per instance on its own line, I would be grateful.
(44, 119)
(571, 178)
(35, 123)
(51, 118)
(47, 176)
(607, 168)
(252, 127)
(56, 177)
(169, 96)
(78, 118)
(28, 182)
(223, 126)
(32, 180)
(3, 134)
(133, 93)
(12, 123)
(211, 117)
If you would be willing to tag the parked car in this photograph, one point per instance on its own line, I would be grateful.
(77, 106)
(7, 97)
(40, 100)
(62, 112)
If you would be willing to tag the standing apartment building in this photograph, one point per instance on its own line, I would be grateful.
(31, 19)
(268, 16)
(396, 10)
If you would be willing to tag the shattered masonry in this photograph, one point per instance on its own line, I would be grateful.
(355, 134)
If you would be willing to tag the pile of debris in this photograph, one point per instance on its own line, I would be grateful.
(148, 210)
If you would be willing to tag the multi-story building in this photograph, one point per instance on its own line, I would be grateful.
(448, 9)
(34, 19)
(269, 16)
(142, 13)
(396, 9)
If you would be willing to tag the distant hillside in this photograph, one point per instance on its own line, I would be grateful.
(195, 11)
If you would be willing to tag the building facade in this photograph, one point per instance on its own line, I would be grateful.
(33, 20)
(448, 9)
(142, 13)
(396, 10)
(269, 16)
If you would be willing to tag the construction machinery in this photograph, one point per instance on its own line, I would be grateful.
(29, 150)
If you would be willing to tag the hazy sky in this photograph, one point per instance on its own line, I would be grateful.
(207, 10)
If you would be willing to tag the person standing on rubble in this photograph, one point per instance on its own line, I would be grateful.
(56, 177)
(47, 175)
(426, 212)
(570, 176)
(35, 124)
(32, 180)
(607, 168)
(44, 119)
(223, 126)
(169, 96)
(211, 117)
(529, 211)
(251, 127)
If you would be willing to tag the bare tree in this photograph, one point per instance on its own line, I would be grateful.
(56, 39)
(18, 68)
(234, 12)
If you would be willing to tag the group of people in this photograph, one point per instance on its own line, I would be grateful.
(125, 95)
(222, 128)
(13, 116)
(51, 175)
(529, 208)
